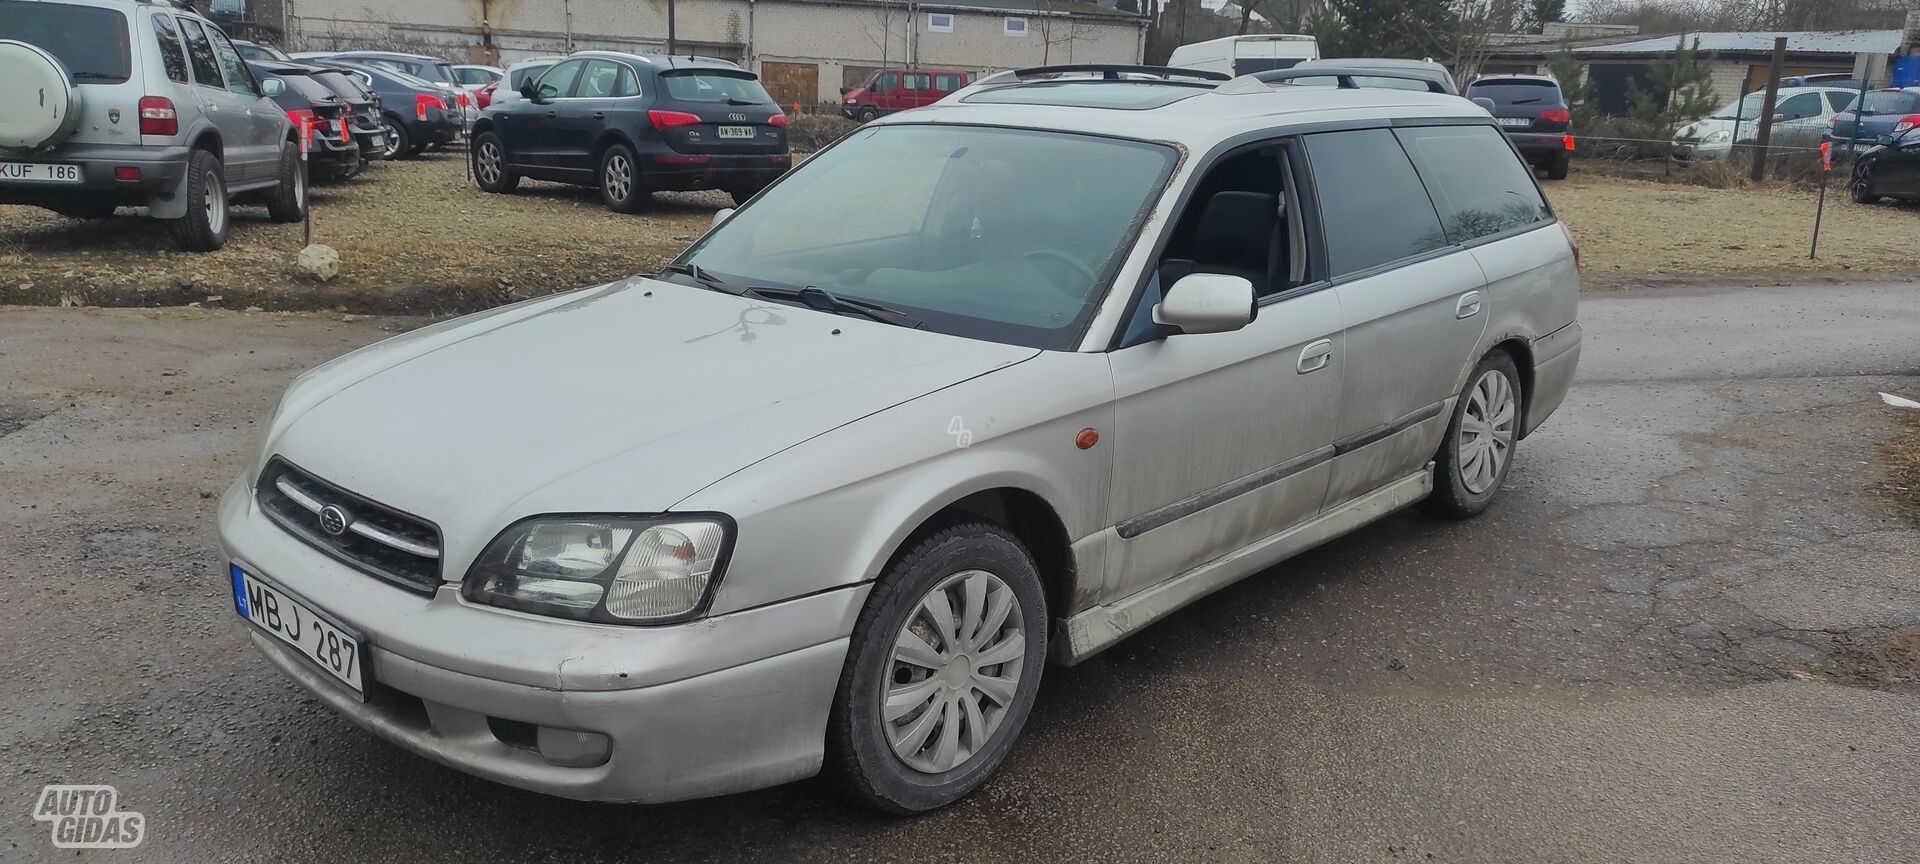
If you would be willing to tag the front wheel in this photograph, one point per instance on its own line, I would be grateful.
(1478, 451)
(490, 169)
(941, 671)
(868, 113)
(620, 185)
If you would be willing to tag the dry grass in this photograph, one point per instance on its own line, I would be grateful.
(1901, 456)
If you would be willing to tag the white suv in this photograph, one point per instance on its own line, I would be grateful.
(114, 103)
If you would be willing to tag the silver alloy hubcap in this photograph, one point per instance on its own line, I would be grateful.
(299, 187)
(489, 167)
(619, 177)
(1486, 432)
(216, 203)
(956, 666)
(393, 138)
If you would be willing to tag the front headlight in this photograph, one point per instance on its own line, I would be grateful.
(1720, 137)
(610, 569)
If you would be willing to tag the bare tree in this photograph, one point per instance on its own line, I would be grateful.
(1058, 26)
(888, 19)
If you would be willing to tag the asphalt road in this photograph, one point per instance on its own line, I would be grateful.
(1689, 631)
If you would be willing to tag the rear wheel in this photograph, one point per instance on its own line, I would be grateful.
(398, 143)
(490, 169)
(941, 671)
(288, 201)
(1478, 450)
(1860, 189)
(1557, 169)
(207, 221)
(620, 180)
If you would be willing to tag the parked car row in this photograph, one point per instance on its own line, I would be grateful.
(631, 125)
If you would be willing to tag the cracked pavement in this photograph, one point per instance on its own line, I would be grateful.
(1688, 631)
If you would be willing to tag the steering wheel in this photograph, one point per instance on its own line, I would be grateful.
(1058, 257)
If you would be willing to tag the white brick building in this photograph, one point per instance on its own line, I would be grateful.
(806, 49)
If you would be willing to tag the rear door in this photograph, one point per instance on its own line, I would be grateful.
(222, 108)
(718, 111)
(260, 149)
(597, 100)
(1411, 303)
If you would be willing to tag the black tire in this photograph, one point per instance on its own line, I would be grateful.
(504, 180)
(287, 202)
(619, 180)
(1860, 188)
(1458, 493)
(742, 194)
(859, 755)
(1557, 169)
(209, 214)
(399, 143)
(868, 113)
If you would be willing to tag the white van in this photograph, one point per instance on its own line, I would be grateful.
(1242, 55)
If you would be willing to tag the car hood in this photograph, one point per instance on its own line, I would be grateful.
(623, 398)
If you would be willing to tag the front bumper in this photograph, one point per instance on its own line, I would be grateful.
(684, 172)
(591, 712)
(160, 171)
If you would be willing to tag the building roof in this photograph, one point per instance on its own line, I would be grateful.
(1837, 42)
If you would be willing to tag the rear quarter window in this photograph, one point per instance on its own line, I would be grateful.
(1372, 205)
(1477, 184)
(715, 86)
(172, 56)
(93, 43)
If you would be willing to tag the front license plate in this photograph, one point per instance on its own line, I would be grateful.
(335, 650)
(39, 172)
(1516, 122)
(737, 132)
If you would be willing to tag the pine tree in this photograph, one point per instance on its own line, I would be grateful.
(1383, 28)
(1574, 84)
(1540, 13)
(1679, 92)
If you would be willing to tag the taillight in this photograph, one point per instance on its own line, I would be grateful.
(424, 101)
(1567, 142)
(1907, 122)
(778, 121)
(157, 116)
(664, 120)
(303, 120)
(1573, 242)
(462, 97)
(1561, 116)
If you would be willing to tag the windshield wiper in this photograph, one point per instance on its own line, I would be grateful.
(704, 279)
(826, 301)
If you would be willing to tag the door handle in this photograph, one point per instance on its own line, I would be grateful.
(1315, 357)
(599, 115)
(1468, 306)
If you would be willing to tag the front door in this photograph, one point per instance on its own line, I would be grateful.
(1412, 305)
(539, 138)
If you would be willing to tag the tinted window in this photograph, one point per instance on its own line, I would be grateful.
(1840, 100)
(206, 69)
(946, 83)
(715, 85)
(600, 80)
(1890, 101)
(1478, 185)
(172, 56)
(1372, 205)
(1517, 92)
(1800, 107)
(559, 80)
(628, 84)
(235, 68)
(93, 43)
(518, 77)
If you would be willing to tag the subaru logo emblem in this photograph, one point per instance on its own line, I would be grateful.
(334, 520)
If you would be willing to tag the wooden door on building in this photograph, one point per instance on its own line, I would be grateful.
(791, 83)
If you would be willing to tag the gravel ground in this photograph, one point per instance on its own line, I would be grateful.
(417, 237)
(414, 236)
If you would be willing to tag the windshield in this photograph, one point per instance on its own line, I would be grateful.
(90, 41)
(998, 234)
(713, 85)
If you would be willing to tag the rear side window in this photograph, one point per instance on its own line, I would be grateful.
(172, 55)
(713, 85)
(93, 43)
(558, 82)
(1477, 184)
(946, 83)
(1517, 92)
(1372, 205)
(206, 69)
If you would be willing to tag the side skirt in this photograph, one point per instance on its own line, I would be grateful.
(1099, 628)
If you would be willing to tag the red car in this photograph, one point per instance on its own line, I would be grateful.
(890, 90)
(484, 96)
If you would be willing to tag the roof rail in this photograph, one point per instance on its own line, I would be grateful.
(1112, 72)
(1260, 82)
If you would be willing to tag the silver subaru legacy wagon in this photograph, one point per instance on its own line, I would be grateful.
(829, 492)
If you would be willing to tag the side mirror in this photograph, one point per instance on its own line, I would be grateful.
(272, 88)
(1485, 103)
(722, 215)
(845, 90)
(1207, 303)
(530, 90)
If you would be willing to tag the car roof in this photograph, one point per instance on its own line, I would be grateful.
(282, 67)
(1195, 115)
(1371, 63)
(390, 55)
(662, 61)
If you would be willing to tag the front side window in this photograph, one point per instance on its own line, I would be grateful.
(518, 78)
(1373, 207)
(206, 67)
(887, 83)
(239, 80)
(1004, 235)
(1799, 107)
(558, 82)
(92, 42)
(172, 56)
(1477, 184)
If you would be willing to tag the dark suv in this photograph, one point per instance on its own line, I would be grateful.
(1534, 114)
(633, 125)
